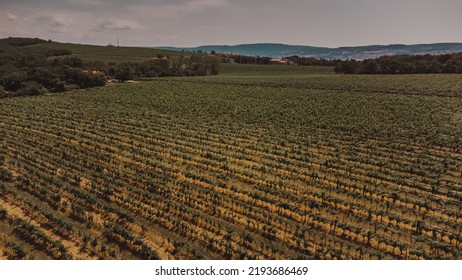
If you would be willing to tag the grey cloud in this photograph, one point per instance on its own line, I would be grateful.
(48, 4)
(11, 17)
(119, 24)
(88, 5)
(56, 23)
(196, 22)
(53, 21)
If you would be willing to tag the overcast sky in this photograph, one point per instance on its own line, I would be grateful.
(325, 23)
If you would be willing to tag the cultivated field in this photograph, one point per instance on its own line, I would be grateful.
(113, 54)
(260, 162)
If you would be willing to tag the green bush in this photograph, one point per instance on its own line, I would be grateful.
(31, 88)
(3, 92)
(13, 81)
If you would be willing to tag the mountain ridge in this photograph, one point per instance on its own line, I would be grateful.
(347, 52)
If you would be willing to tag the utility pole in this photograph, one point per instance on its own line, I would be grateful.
(117, 41)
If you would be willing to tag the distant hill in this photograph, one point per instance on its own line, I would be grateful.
(94, 52)
(111, 53)
(362, 52)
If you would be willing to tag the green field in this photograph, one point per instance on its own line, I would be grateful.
(259, 162)
(112, 54)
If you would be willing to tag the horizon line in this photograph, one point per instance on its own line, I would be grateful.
(300, 45)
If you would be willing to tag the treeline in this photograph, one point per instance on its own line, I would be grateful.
(17, 41)
(403, 64)
(265, 60)
(246, 59)
(28, 67)
(312, 61)
(194, 65)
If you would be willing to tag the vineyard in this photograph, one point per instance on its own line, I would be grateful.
(260, 162)
(112, 54)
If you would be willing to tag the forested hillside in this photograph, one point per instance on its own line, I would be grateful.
(35, 67)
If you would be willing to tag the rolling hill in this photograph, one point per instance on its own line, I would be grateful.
(111, 53)
(361, 52)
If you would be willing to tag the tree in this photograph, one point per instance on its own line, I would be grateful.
(47, 78)
(214, 65)
(371, 67)
(73, 61)
(124, 72)
(452, 66)
(32, 88)
(347, 67)
(3, 92)
(403, 64)
(14, 81)
(435, 66)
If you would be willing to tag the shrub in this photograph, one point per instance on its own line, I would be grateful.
(13, 81)
(32, 88)
(3, 92)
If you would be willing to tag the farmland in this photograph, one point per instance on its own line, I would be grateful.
(260, 162)
(112, 54)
